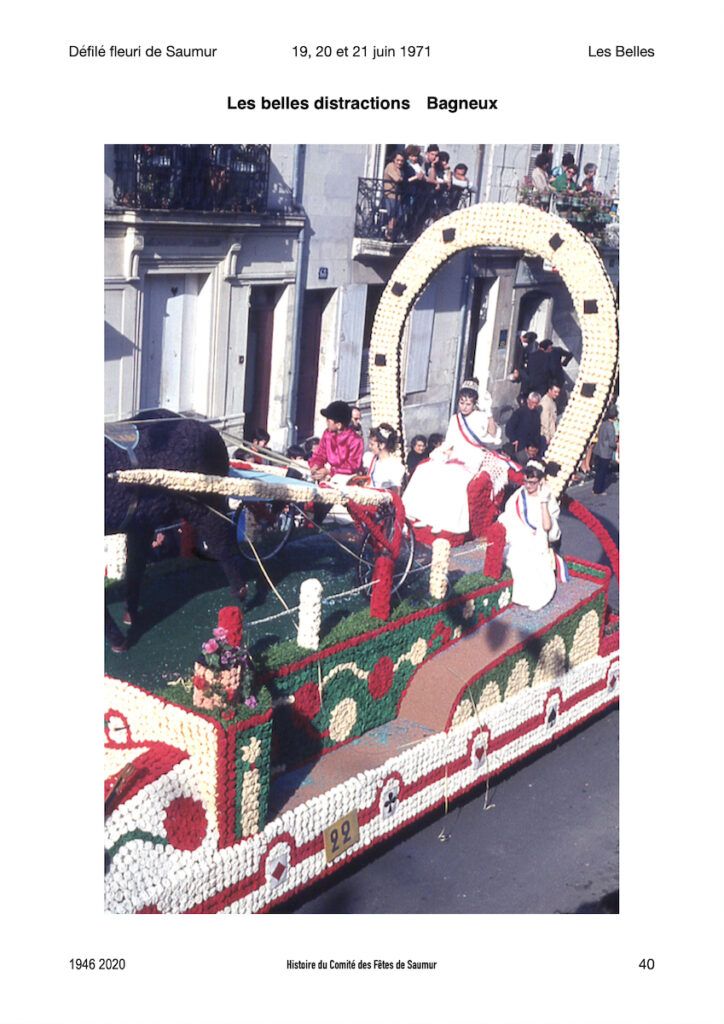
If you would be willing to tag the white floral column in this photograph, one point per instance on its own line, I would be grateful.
(439, 568)
(310, 614)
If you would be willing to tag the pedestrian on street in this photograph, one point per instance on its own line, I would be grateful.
(524, 345)
(604, 450)
(523, 427)
(540, 367)
(549, 413)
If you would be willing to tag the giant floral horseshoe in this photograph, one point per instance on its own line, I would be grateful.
(510, 226)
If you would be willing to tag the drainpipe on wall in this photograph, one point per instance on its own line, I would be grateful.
(297, 174)
(465, 298)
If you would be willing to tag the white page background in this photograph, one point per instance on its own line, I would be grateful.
(665, 114)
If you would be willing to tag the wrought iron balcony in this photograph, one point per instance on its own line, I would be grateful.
(417, 209)
(224, 179)
(593, 213)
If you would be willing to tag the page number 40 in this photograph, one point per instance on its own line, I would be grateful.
(648, 963)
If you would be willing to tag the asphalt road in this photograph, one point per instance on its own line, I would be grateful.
(543, 840)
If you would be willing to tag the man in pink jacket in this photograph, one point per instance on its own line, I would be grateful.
(340, 449)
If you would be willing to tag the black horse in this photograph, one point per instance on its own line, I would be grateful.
(167, 441)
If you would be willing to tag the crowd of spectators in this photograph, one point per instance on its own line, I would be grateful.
(542, 397)
(419, 188)
(563, 178)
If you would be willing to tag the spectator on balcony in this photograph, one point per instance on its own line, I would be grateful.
(392, 183)
(414, 167)
(432, 159)
(444, 173)
(568, 160)
(458, 184)
(541, 173)
(524, 427)
(549, 413)
(413, 185)
(428, 201)
(588, 182)
(566, 182)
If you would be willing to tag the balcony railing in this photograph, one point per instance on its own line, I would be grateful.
(593, 213)
(416, 210)
(223, 179)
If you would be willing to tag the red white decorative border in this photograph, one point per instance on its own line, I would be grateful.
(288, 854)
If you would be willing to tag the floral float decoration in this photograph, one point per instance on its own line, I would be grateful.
(224, 670)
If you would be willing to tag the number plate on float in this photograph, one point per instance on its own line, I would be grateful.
(341, 836)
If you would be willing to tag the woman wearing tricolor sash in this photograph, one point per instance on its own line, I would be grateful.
(530, 518)
(437, 494)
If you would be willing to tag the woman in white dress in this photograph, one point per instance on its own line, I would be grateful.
(530, 518)
(437, 494)
(381, 465)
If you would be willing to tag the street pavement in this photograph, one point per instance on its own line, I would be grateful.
(543, 839)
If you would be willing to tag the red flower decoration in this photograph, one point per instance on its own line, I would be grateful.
(185, 823)
(232, 620)
(200, 683)
(382, 589)
(481, 506)
(380, 678)
(228, 714)
(495, 536)
(307, 701)
(441, 632)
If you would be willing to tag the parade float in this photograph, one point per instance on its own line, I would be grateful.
(239, 786)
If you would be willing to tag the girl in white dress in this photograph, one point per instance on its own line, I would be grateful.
(530, 518)
(380, 463)
(437, 494)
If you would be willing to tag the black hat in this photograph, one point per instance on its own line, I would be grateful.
(338, 412)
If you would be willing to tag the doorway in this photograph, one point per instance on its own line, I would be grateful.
(315, 303)
(175, 347)
(259, 342)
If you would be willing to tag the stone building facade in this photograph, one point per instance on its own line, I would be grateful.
(241, 284)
